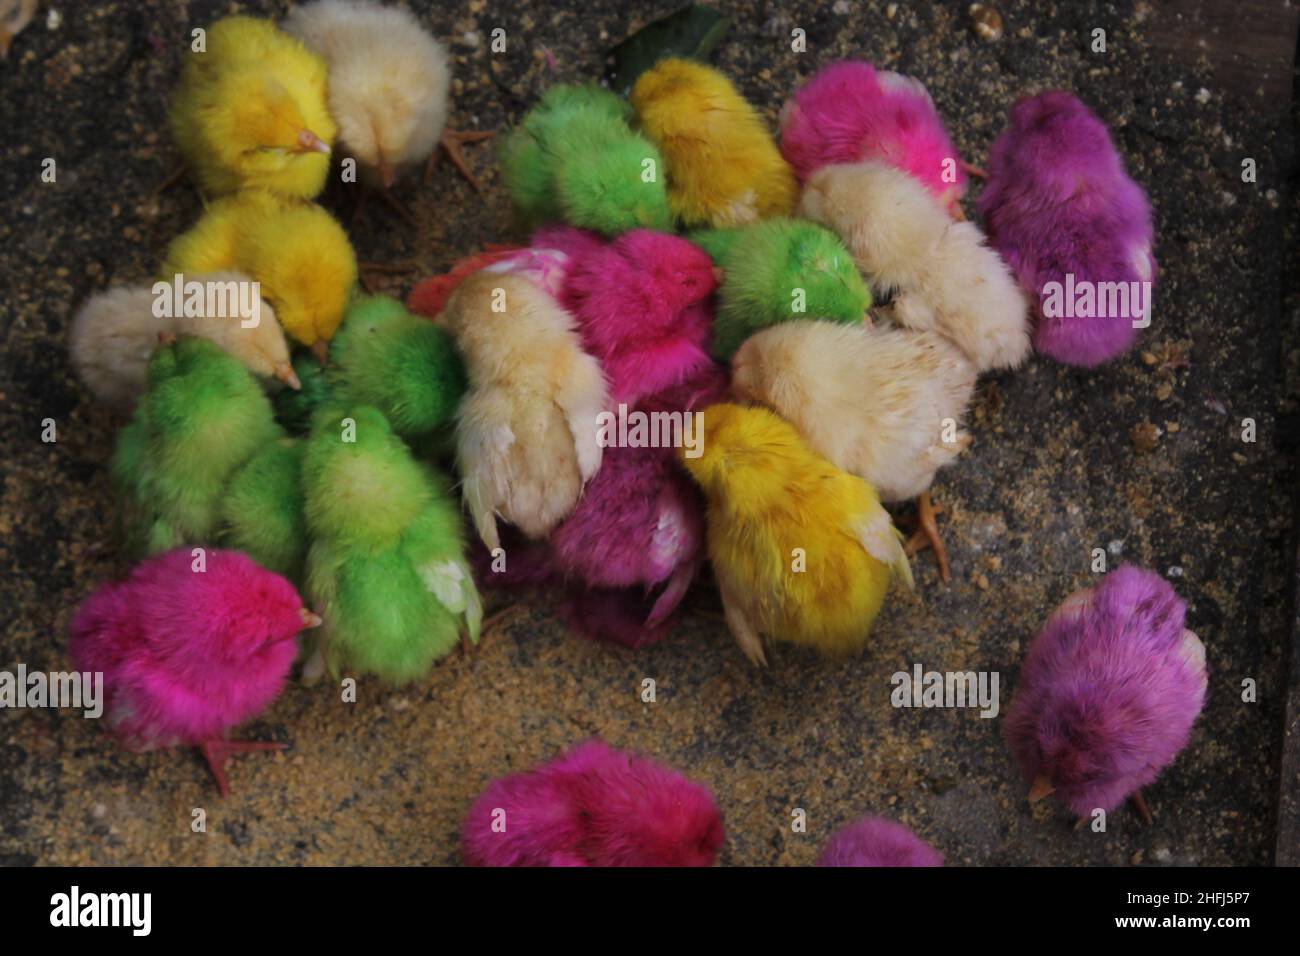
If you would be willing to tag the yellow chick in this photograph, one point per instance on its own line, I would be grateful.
(295, 249)
(723, 167)
(527, 430)
(115, 333)
(885, 404)
(802, 552)
(250, 111)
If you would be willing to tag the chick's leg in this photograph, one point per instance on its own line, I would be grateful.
(217, 752)
(926, 534)
(1140, 804)
(452, 140)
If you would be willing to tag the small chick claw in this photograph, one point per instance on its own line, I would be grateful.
(451, 143)
(926, 534)
(218, 751)
(1140, 804)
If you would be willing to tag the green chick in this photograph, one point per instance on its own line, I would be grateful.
(263, 509)
(202, 417)
(403, 365)
(576, 158)
(386, 568)
(777, 270)
(294, 408)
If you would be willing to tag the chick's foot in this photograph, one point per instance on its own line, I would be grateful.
(926, 534)
(452, 140)
(217, 752)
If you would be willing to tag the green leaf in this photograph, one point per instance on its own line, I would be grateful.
(691, 32)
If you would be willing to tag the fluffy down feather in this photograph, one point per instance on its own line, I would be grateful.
(187, 655)
(874, 841)
(115, 333)
(1108, 692)
(943, 276)
(765, 263)
(250, 112)
(386, 565)
(526, 430)
(874, 401)
(262, 509)
(594, 806)
(849, 112)
(768, 494)
(1058, 201)
(296, 250)
(431, 294)
(389, 81)
(723, 168)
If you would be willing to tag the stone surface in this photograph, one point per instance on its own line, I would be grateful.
(1053, 473)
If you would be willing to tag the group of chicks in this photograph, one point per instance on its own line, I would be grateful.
(821, 305)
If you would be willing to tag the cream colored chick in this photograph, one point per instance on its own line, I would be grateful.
(389, 85)
(885, 404)
(526, 432)
(943, 275)
(114, 335)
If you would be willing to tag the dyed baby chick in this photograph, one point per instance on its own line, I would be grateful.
(1059, 202)
(202, 418)
(250, 112)
(876, 842)
(943, 275)
(430, 295)
(526, 430)
(115, 333)
(778, 270)
(849, 112)
(723, 168)
(772, 499)
(296, 250)
(188, 652)
(575, 158)
(405, 366)
(389, 85)
(640, 304)
(593, 806)
(386, 567)
(1108, 693)
(262, 509)
(294, 408)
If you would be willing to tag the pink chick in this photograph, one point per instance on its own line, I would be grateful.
(1108, 693)
(1059, 202)
(875, 841)
(593, 806)
(187, 654)
(642, 304)
(849, 112)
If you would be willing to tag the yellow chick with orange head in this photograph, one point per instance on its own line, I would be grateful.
(723, 168)
(802, 552)
(250, 111)
(296, 250)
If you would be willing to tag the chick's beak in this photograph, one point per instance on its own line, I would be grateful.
(309, 142)
(1040, 788)
(285, 373)
(309, 619)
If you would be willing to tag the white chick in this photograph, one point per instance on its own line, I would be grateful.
(885, 404)
(114, 335)
(389, 85)
(943, 275)
(526, 432)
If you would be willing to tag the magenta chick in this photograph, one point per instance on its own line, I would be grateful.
(875, 841)
(188, 651)
(1108, 693)
(642, 306)
(1058, 203)
(850, 112)
(593, 806)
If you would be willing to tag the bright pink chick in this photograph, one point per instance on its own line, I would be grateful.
(643, 307)
(875, 841)
(848, 112)
(1108, 693)
(593, 806)
(188, 654)
(1059, 202)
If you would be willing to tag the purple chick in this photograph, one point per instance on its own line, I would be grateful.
(1108, 693)
(875, 841)
(1059, 202)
